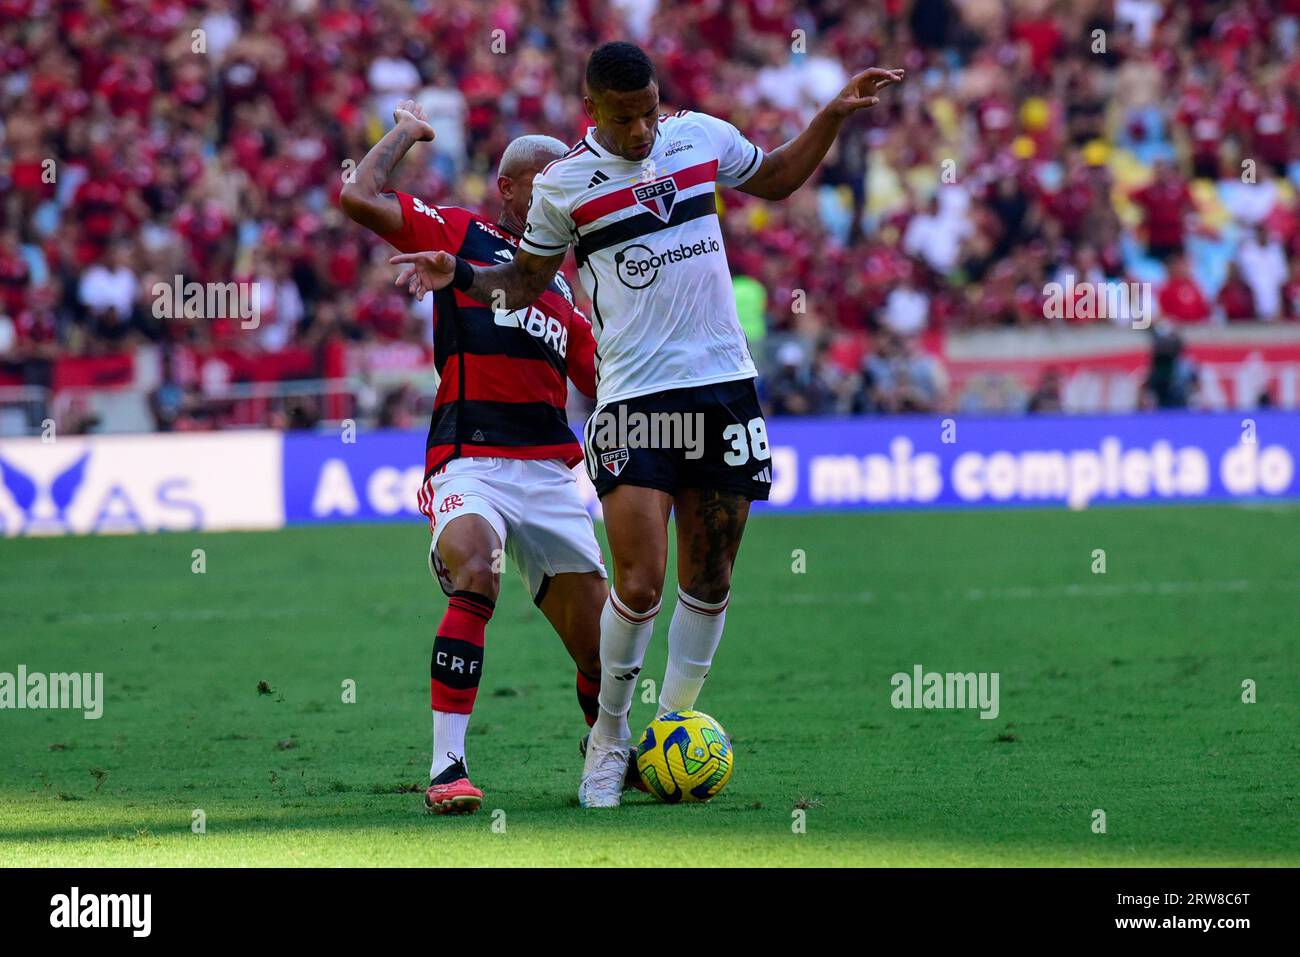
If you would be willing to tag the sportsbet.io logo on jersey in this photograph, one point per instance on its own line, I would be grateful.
(638, 265)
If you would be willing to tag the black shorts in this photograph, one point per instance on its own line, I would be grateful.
(709, 436)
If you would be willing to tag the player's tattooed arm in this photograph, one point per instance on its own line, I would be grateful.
(508, 287)
(364, 199)
(517, 283)
(788, 166)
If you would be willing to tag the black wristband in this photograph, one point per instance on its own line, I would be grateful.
(463, 278)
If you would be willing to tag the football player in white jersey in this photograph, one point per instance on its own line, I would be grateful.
(677, 428)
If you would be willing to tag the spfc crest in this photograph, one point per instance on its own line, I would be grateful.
(658, 197)
(614, 462)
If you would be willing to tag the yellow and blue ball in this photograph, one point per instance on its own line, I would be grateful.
(684, 756)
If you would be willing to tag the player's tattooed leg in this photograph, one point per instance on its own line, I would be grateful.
(710, 524)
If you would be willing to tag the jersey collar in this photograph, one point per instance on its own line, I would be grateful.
(589, 138)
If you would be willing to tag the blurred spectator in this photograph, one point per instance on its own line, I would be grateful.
(919, 384)
(751, 308)
(1180, 298)
(1047, 395)
(1140, 17)
(391, 76)
(906, 308)
(898, 376)
(1171, 383)
(1165, 203)
(792, 388)
(398, 408)
(1263, 266)
(1235, 299)
(108, 291)
(15, 274)
(936, 234)
(446, 108)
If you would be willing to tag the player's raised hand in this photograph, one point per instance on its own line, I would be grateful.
(424, 272)
(413, 115)
(860, 93)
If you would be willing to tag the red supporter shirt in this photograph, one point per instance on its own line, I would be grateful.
(1181, 299)
(15, 279)
(1043, 38)
(1164, 204)
(1237, 301)
(383, 312)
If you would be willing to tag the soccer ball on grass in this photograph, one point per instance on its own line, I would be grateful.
(684, 756)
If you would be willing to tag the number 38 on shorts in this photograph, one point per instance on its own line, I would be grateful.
(711, 436)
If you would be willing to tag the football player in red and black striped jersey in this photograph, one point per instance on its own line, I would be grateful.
(499, 455)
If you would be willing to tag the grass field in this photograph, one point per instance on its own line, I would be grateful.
(1119, 691)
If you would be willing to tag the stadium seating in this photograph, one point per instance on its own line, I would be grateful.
(1033, 143)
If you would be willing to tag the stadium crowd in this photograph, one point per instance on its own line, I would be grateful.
(1033, 142)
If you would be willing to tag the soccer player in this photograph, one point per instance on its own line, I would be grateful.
(499, 455)
(635, 197)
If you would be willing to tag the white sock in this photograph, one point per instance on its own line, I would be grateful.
(693, 637)
(624, 636)
(448, 735)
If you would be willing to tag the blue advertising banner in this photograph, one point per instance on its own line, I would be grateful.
(893, 463)
(1076, 461)
(372, 479)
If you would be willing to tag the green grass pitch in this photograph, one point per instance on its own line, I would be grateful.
(1119, 691)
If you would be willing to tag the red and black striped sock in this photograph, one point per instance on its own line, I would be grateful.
(456, 666)
(588, 697)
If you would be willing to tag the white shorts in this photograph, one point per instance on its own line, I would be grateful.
(534, 506)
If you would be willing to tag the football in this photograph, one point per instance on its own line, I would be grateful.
(684, 756)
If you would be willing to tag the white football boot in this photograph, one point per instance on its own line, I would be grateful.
(603, 771)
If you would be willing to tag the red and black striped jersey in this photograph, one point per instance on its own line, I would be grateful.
(502, 389)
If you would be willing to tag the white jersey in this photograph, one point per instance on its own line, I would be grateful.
(650, 254)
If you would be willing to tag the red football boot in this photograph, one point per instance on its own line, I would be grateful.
(451, 793)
